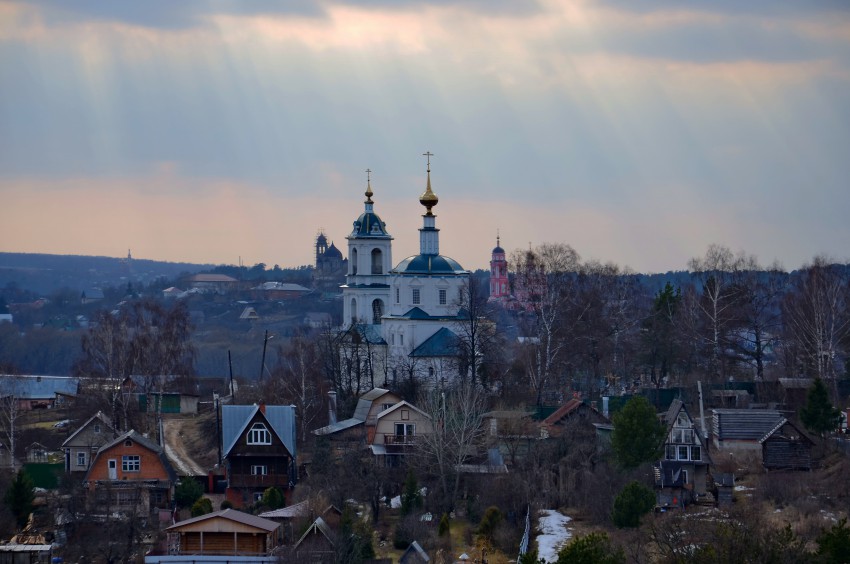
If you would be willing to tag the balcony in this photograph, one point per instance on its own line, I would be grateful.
(399, 440)
(258, 480)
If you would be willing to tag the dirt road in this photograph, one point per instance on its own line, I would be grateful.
(176, 449)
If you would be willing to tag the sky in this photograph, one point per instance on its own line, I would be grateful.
(637, 131)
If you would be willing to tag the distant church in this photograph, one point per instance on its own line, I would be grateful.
(410, 314)
(330, 265)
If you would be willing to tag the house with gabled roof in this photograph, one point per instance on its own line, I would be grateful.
(574, 410)
(82, 445)
(354, 429)
(414, 554)
(131, 472)
(681, 475)
(223, 533)
(786, 447)
(739, 430)
(258, 447)
(317, 544)
(397, 430)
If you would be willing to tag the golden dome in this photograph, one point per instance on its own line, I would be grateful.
(368, 187)
(428, 198)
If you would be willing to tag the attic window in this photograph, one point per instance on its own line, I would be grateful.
(128, 443)
(259, 435)
(97, 428)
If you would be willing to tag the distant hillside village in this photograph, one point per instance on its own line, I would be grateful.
(370, 409)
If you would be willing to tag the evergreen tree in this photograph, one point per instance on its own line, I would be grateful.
(638, 434)
(594, 548)
(19, 497)
(818, 415)
(187, 492)
(635, 501)
(202, 507)
(273, 499)
(411, 498)
(834, 544)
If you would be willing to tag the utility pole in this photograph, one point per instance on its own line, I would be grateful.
(263, 363)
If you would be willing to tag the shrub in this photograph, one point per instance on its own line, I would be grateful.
(187, 492)
(202, 507)
(226, 504)
(631, 504)
(444, 527)
(492, 518)
(273, 499)
(411, 498)
(594, 548)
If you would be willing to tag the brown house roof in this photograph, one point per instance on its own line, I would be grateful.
(229, 515)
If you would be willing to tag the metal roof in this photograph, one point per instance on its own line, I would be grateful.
(430, 264)
(235, 418)
(99, 415)
(230, 515)
(318, 526)
(442, 343)
(743, 424)
(299, 509)
(37, 387)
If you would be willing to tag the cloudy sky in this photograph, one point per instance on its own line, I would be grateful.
(639, 132)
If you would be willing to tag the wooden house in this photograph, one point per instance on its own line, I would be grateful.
(397, 430)
(317, 544)
(354, 431)
(681, 476)
(571, 412)
(414, 554)
(739, 430)
(786, 447)
(131, 472)
(258, 450)
(82, 445)
(226, 532)
(39, 392)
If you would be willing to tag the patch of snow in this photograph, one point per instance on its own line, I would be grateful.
(742, 488)
(554, 534)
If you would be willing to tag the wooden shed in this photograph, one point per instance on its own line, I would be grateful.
(786, 447)
(224, 532)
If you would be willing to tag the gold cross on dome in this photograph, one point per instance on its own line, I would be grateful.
(428, 154)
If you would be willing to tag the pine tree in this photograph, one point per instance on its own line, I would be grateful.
(819, 416)
(19, 497)
(635, 501)
(638, 434)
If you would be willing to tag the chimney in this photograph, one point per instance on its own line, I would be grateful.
(263, 407)
(331, 408)
(605, 406)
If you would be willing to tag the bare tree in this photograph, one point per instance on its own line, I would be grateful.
(817, 314)
(9, 412)
(715, 272)
(476, 330)
(542, 280)
(456, 414)
(297, 380)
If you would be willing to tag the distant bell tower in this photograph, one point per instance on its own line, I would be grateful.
(321, 248)
(499, 288)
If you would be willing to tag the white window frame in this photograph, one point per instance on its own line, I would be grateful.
(131, 463)
(409, 429)
(259, 470)
(258, 434)
(442, 296)
(81, 458)
(415, 296)
(683, 452)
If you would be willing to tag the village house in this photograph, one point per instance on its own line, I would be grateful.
(82, 445)
(259, 451)
(317, 544)
(239, 536)
(738, 431)
(573, 411)
(352, 432)
(39, 392)
(681, 476)
(131, 472)
(786, 447)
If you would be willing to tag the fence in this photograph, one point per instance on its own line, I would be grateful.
(523, 544)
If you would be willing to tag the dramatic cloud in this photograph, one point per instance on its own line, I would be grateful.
(639, 132)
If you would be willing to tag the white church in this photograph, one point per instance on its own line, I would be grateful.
(411, 313)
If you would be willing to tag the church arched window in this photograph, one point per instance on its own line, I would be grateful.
(377, 262)
(353, 261)
(353, 311)
(377, 311)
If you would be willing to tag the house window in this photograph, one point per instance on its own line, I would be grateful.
(97, 428)
(442, 297)
(405, 429)
(671, 452)
(682, 436)
(128, 443)
(259, 435)
(685, 477)
(696, 453)
(258, 496)
(81, 459)
(683, 453)
(415, 296)
(386, 406)
(158, 498)
(682, 420)
(131, 463)
(259, 470)
(126, 498)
